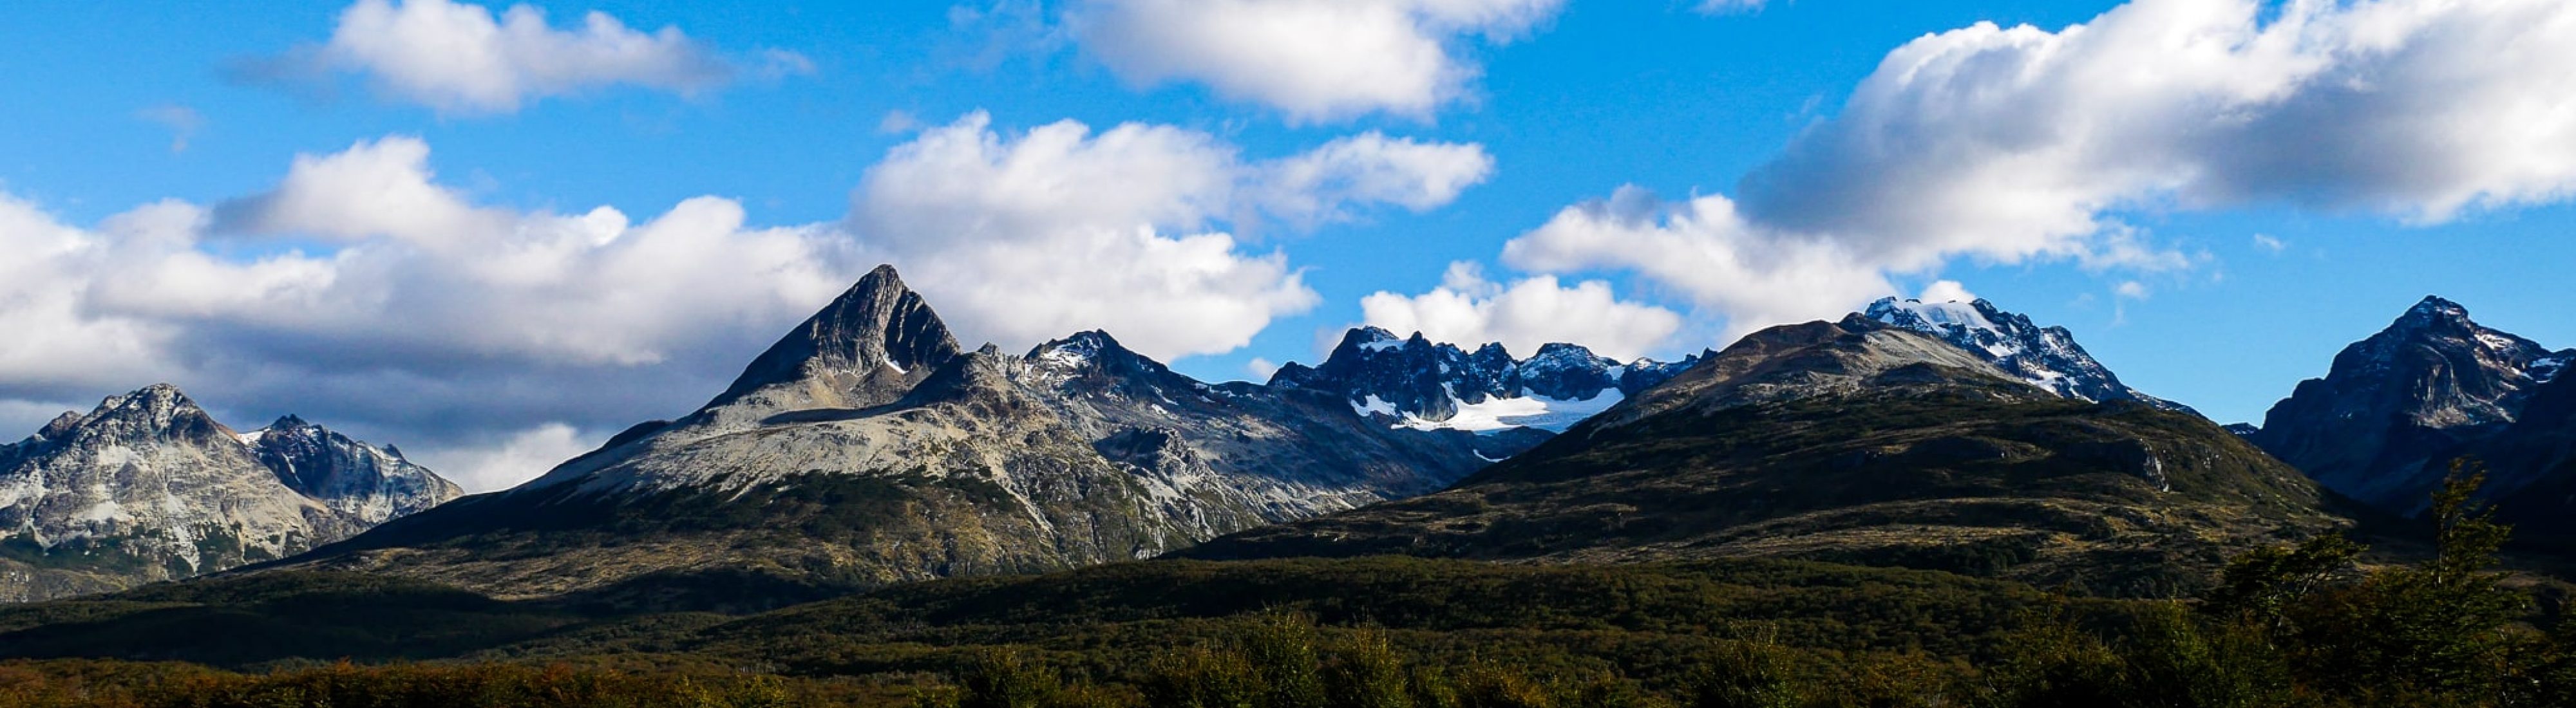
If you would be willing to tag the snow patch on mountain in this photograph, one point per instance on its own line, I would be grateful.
(1371, 405)
(1425, 385)
(1527, 410)
(2046, 357)
(2546, 369)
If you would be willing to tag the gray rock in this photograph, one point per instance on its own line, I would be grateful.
(865, 448)
(2384, 422)
(148, 487)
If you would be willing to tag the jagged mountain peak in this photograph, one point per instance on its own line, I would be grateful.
(148, 486)
(1369, 333)
(1082, 349)
(2396, 403)
(2047, 357)
(1415, 381)
(1564, 350)
(1907, 312)
(1095, 352)
(2435, 308)
(158, 411)
(156, 398)
(369, 483)
(2441, 324)
(868, 347)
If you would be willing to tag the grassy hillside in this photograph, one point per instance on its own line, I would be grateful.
(1100, 617)
(2117, 498)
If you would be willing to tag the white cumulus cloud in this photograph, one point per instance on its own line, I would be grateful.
(1946, 291)
(2011, 145)
(1025, 237)
(363, 292)
(460, 58)
(423, 315)
(1469, 310)
(1313, 60)
(507, 461)
(1705, 250)
(1372, 168)
(2013, 142)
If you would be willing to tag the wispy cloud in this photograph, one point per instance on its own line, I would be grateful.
(183, 122)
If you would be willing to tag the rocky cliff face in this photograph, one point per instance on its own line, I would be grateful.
(870, 346)
(366, 483)
(149, 487)
(2532, 464)
(865, 448)
(1857, 442)
(2047, 357)
(1417, 383)
(2395, 408)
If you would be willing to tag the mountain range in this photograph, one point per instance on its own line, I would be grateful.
(1861, 442)
(148, 487)
(867, 447)
(1422, 384)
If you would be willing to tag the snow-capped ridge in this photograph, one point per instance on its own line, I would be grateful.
(1416, 382)
(2047, 357)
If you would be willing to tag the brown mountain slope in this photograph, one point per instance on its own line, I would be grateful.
(1853, 442)
(866, 449)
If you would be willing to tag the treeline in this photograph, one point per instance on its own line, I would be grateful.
(81, 684)
(2285, 627)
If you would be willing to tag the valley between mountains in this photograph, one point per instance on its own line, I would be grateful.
(873, 500)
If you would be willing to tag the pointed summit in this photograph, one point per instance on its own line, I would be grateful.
(368, 483)
(1094, 349)
(2434, 307)
(867, 348)
(155, 412)
(2378, 425)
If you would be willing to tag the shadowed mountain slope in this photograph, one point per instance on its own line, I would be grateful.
(1854, 442)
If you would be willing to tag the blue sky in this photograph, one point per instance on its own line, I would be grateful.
(2209, 256)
